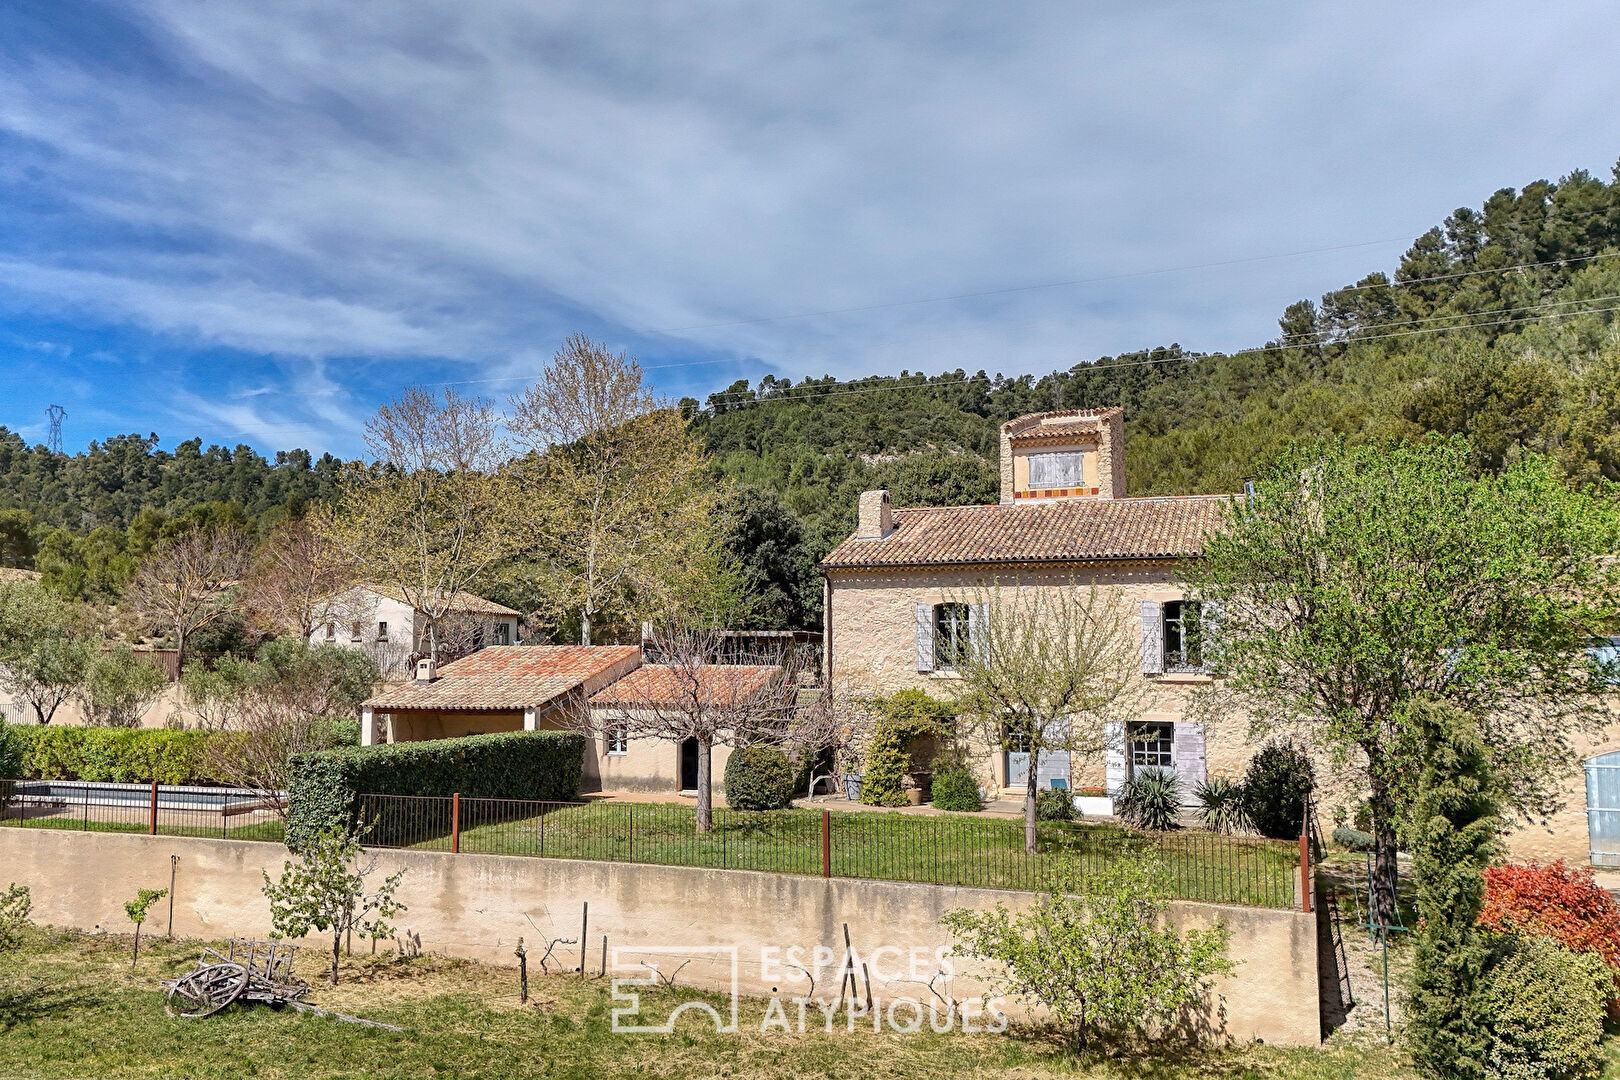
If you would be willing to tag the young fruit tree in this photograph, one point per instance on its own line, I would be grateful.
(691, 697)
(1359, 579)
(1043, 669)
(324, 888)
(189, 581)
(624, 511)
(1094, 954)
(435, 514)
(136, 909)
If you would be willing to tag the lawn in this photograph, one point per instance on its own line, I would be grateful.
(125, 819)
(964, 850)
(70, 1006)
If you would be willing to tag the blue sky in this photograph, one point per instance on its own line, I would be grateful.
(252, 221)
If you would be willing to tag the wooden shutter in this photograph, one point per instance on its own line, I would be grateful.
(978, 639)
(1152, 637)
(1114, 755)
(1209, 625)
(925, 637)
(1188, 748)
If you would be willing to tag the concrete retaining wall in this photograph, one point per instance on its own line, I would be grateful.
(476, 906)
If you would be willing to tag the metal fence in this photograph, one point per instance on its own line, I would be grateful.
(966, 851)
(154, 809)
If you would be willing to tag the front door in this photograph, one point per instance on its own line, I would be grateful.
(1053, 766)
(689, 764)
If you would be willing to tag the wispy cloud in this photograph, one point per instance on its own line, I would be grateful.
(349, 197)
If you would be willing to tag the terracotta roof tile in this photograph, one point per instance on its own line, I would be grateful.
(510, 677)
(658, 684)
(1076, 530)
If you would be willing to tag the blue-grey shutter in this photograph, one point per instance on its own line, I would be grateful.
(925, 637)
(1152, 637)
(1210, 617)
(978, 641)
(1188, 748)
(1114, 755)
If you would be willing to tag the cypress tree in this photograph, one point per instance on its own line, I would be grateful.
(1452, 834)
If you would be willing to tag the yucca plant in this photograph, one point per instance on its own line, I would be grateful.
(1222, 804)
(1151, 799)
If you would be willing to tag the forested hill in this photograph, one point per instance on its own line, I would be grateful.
(1497, 324)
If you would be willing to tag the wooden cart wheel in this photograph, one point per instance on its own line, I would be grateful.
(206, 991)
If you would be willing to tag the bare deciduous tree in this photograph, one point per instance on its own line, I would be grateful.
(298, 581)
(835, 725)
(690, 695)
(620, 498)
(186, 583)
(435, 515)
(1045, 668)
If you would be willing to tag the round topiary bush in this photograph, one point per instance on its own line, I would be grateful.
(1054, 805)
(956, 789)
(1276, 788)
(759, 778)
(1545, 1008)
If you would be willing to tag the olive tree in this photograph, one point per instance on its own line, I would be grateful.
(44, 649)
(1359, 579)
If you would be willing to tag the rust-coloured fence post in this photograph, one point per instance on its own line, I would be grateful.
(826, 844)
(1304, 870)
(455, 823)
(152, 822)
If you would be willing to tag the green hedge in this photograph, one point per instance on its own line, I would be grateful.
(759, 778)
(325, 786)
(113, 755)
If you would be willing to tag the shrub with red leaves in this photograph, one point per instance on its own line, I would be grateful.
(1553, 901)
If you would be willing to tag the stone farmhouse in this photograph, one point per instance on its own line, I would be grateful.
(903, 600)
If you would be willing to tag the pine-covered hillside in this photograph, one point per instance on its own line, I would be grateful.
(1498, 324)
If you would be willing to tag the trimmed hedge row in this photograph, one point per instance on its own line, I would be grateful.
(326, 785)
(113, 755)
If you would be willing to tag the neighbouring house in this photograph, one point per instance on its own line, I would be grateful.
(904, 593)
(498, 688)
(617, 761)
(377, 618)
(903, 599)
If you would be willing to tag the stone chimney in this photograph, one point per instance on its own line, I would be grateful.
(876, 520)
(426, 669)
(1068, 454)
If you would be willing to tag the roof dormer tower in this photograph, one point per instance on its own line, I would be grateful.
(1069, 454)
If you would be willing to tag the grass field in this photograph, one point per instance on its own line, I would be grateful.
(70, 1006)
(953, 850)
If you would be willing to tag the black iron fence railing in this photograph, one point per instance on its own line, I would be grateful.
(925, 848)
(155, 809)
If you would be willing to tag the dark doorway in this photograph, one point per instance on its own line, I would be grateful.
(689, 764)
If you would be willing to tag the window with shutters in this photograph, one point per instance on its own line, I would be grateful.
(951, 636)
(1181, 636)
(1057, 469)
(1152, 745)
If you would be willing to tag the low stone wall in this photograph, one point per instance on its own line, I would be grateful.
(477, 906)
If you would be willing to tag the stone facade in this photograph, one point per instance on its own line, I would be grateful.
(1099, 434)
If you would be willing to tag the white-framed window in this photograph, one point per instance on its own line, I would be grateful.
(382, 631)
(616, 739)
(1057, 469)
(951, 638)
(1152, 744)
(1182, 650)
